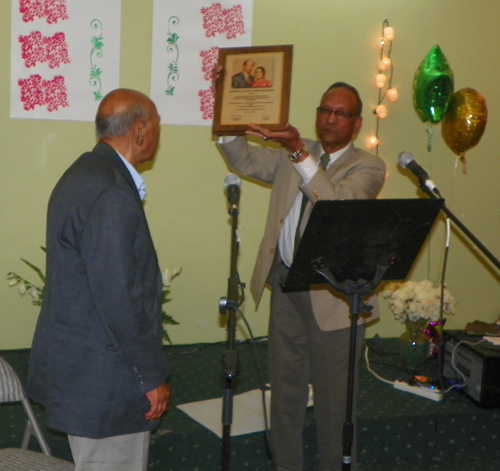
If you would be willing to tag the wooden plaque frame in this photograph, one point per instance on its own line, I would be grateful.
(264, 102)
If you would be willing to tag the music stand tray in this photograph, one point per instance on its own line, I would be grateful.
(355, 237)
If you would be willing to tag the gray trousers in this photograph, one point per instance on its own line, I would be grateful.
(120, 453)
(299, 353)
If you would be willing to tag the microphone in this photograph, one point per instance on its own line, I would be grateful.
(406, 160)
(232, 184)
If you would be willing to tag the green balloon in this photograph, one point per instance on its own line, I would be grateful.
(433, 87)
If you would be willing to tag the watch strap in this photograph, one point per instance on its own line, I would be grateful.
(295, 156)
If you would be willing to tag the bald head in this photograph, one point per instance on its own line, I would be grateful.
(127, 120)
(119, 110)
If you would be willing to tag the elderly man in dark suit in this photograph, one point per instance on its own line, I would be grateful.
(309, 334)
(97, 362)
(244, 79)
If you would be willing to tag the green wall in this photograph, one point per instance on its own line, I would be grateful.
(186, 206)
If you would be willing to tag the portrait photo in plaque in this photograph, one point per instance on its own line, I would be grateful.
(254, 87)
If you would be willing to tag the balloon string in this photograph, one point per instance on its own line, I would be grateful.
(464, 163)
(430, 133)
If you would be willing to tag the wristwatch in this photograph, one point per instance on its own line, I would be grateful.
(295, 156)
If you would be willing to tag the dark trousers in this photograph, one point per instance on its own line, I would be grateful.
(301, 353)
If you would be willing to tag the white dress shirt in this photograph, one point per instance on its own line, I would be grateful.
(138, 180)
(306, 169)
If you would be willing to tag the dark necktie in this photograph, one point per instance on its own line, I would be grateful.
(323, 163)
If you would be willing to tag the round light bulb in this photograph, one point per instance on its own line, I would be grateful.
(384, 63)
(371, 142)
(392, 94)
(389, 33)
(381, 80)
(381, 111)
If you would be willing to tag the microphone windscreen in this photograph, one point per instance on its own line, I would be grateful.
(232, 179)
(405, 158)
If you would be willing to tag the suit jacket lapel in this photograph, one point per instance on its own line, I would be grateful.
(341, 160)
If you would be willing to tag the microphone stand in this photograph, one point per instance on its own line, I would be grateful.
(461, 226)
(475, 241)
(230, 362)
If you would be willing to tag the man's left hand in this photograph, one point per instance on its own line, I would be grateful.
(289, 138)
(159, 399)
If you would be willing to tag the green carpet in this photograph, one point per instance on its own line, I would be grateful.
(396, 430)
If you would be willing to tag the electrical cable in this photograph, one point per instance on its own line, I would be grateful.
(263, 388)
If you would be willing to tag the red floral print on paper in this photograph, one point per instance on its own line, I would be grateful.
(40, 49)
(55, 93)
(51, 10)
(233, 22)
(217, 20)
(56, 50)
(208, 60)
(207, 100)
(31, 92)
(32, 49)
(213, 22)
(38, 92)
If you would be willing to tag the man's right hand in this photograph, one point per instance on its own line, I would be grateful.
(216, 75)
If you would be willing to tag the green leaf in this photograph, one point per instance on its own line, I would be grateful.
(97, 42)
(168, 319)
(166, 337)
(170, 91)
(36, 269)
(95, 72)
(172, 68)
(173, 38)
(164, 296)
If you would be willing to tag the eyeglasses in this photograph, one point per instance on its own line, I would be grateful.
(338, 113)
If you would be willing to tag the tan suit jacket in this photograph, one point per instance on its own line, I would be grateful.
(356, 174)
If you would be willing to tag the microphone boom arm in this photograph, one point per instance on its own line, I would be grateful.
(464, 229)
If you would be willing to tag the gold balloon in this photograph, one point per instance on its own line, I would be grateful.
(465, 122)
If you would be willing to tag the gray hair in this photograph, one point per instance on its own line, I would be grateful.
(119, 123)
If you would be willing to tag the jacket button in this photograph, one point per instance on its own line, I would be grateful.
(272, 250)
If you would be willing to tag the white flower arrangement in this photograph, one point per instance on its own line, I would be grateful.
(412, 301)
(168, 275)
(36, 292)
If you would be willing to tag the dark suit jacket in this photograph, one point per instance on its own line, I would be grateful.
(356, 174)
(97, 347)
(240, 81)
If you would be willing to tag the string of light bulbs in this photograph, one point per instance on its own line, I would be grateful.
(383, 81)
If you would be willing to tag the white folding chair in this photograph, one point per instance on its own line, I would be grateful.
(13, 459)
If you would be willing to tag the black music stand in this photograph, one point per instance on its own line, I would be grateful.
(353, 245)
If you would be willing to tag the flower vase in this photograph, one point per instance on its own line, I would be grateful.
(414, 343)
(435, 332)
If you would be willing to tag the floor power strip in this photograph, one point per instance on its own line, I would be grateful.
(433, 394)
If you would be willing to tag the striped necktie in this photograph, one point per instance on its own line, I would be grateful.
(323, 163)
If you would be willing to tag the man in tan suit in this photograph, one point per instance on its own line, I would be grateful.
(309, 331)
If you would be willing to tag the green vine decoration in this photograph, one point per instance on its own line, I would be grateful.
(97, 53)
(172, 48)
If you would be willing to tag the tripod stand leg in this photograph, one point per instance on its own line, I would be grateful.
(227, 420)
(348, 430)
